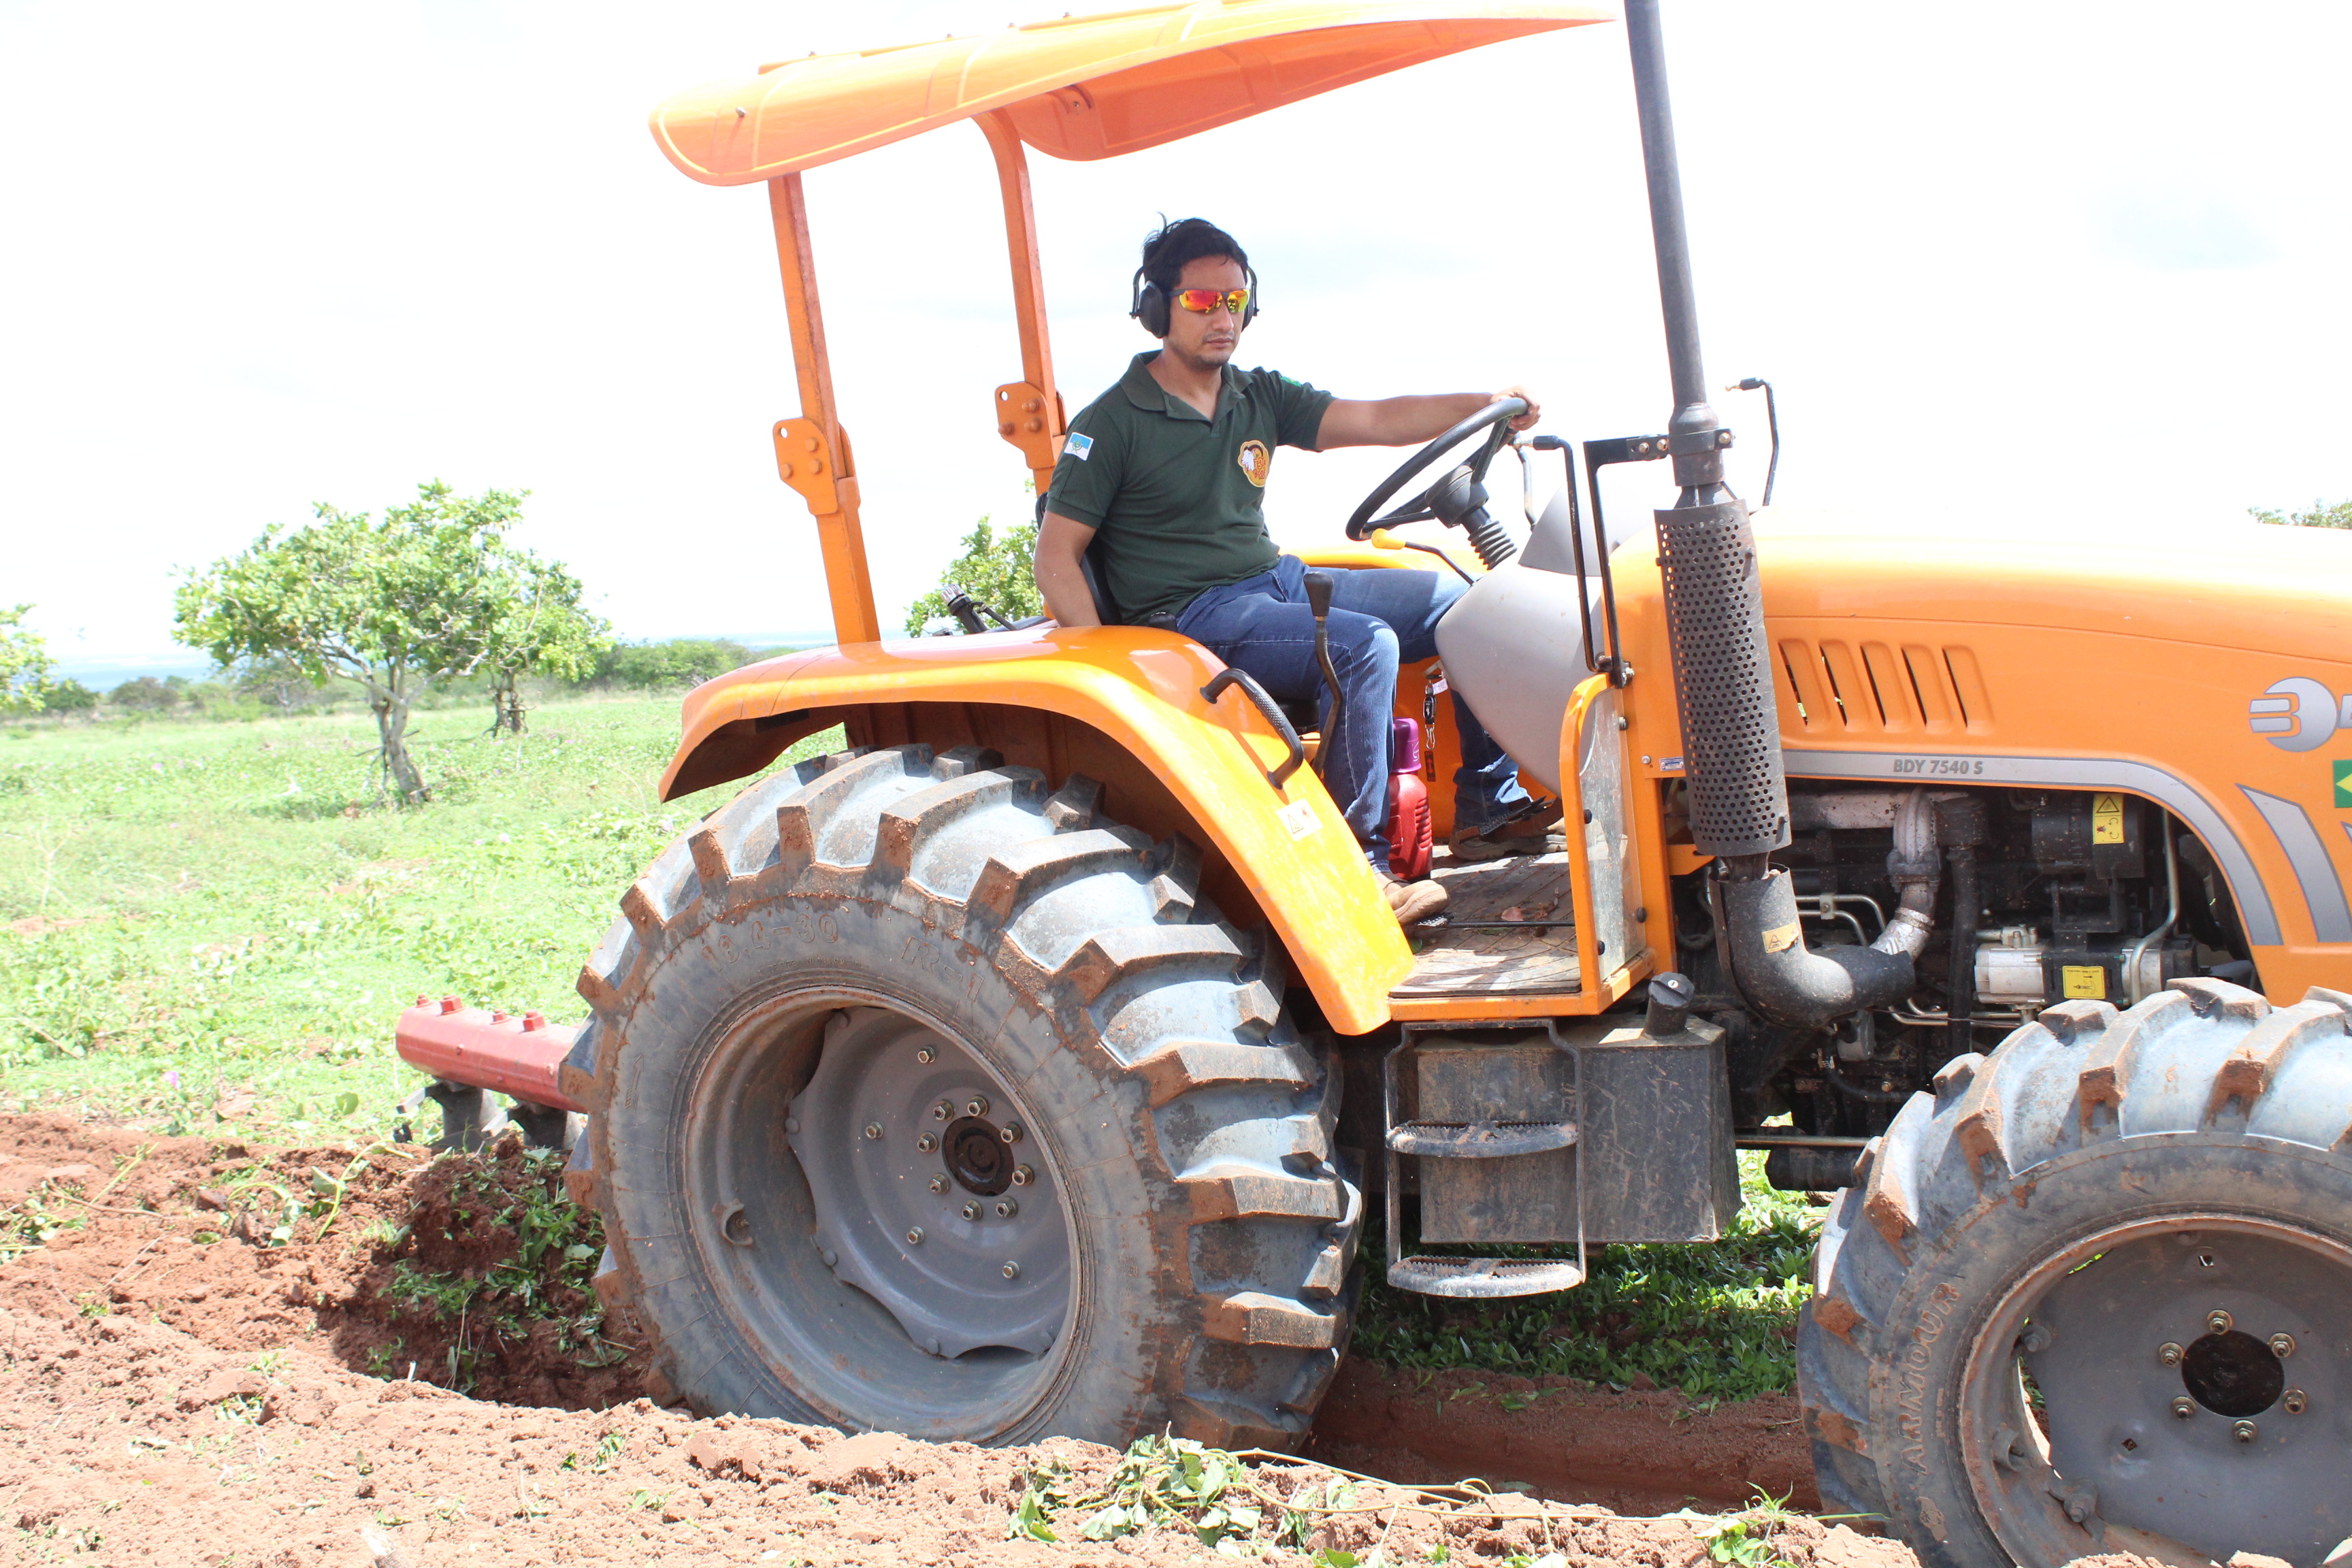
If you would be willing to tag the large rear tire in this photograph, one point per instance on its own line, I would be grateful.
(2089, 1296)
(925, 1102)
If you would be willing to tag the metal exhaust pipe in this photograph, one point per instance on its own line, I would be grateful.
(1715, 630)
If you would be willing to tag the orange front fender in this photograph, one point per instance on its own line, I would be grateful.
(1140, 689)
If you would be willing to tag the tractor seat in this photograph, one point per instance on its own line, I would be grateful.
(1304, 716)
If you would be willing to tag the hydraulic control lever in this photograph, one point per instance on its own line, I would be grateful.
(1318, 600)
(1772, 415)
(968, 610)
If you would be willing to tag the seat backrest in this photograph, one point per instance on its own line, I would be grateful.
(1090, 567)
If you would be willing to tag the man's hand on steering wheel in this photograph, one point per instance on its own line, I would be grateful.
(1527, 421)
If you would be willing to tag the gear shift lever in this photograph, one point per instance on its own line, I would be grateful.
(1319, 599)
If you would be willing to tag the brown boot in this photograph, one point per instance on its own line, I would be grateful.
(1538, 832)
(1411, 902)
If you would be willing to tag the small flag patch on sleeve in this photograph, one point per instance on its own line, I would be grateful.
(1078, 445)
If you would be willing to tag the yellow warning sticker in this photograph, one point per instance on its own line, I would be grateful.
(2106, 824)
(1780, 939)
(2086, 982)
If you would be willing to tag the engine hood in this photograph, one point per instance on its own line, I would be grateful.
(2251, 586)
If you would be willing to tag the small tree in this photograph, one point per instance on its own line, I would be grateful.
(543, 632)
(68, 696)
(277, 681)
(996, 571)
(424, 596)
(2320, 515)
(145, 695)
(24, 664)
(667, 665)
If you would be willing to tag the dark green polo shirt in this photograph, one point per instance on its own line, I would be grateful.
(1178, 500)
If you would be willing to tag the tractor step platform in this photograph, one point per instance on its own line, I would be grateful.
(1484, 1278)
(1465, 956)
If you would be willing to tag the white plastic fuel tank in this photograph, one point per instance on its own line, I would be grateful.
(1513, 644)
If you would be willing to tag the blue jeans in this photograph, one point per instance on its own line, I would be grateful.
(1378, 619)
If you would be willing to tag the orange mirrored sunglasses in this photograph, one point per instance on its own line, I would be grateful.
(1203, 301)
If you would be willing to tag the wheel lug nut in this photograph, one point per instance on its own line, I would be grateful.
(1007, 1209)
(942, 1110)
(1013, 1271)
(2184, 1407)
(2294, 1402)
(2218, 1321)
(915, 1236)
(2035, 1340)
(976, 1106)
(926, 1056)
(873, 1130)
(971, 1211)
(927, 1143)
(1022, 1176)
(2169, 1353)
(2245, 1431)
(939, 1184)
(1012, 1133)
(2281, 1346)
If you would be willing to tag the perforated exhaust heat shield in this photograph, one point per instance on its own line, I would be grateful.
(1723, 680)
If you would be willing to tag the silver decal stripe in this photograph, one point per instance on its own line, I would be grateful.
(2323, 890)
(2077, 772)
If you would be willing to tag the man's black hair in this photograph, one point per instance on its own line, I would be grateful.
(1172, 245)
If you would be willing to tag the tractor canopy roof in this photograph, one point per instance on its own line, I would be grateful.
(1080, 87)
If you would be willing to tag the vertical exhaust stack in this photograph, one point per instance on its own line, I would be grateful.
(1715, 627)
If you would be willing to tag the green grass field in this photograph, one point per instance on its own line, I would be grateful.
(210, 927)
(208, 918)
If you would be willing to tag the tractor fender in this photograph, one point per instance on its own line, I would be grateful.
(1141, 689)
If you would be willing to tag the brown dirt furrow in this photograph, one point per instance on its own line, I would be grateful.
(1635, 1452)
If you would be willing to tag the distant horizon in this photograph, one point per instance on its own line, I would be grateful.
(104, 671)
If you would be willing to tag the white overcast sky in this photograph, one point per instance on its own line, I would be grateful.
(2073, 265)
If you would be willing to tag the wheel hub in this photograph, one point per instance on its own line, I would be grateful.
(2184, 1378)
(979, 1157)
(2232, 1375)
(930, 1194)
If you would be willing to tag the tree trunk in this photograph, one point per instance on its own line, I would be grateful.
(506, 703)
(399, 769)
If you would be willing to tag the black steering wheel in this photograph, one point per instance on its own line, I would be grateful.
(1458, 497)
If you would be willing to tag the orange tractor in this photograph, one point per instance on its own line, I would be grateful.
(983, 1079)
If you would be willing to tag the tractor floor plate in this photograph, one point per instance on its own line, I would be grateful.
(1461, 959)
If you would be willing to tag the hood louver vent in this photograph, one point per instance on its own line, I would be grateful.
(1835, 688)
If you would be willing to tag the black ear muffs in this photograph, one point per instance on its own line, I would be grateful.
(1150, 304)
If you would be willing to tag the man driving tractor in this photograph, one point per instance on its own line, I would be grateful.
(1167, 471)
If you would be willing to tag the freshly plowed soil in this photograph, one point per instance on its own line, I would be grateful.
(274, 1399)
(1635, 1452)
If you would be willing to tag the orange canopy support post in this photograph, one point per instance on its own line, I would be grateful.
(1028, 411)
(812, 452)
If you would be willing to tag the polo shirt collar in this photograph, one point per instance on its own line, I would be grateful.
(1146, 393)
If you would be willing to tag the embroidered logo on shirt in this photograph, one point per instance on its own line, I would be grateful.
(1076, 446)
(1255, 461)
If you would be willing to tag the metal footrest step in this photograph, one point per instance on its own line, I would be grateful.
(1480, 1140)
(1483, 1278)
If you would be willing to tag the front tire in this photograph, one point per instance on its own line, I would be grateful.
(2089, 1296)
(927, 1102)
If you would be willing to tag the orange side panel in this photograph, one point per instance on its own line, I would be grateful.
(1140, 688)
